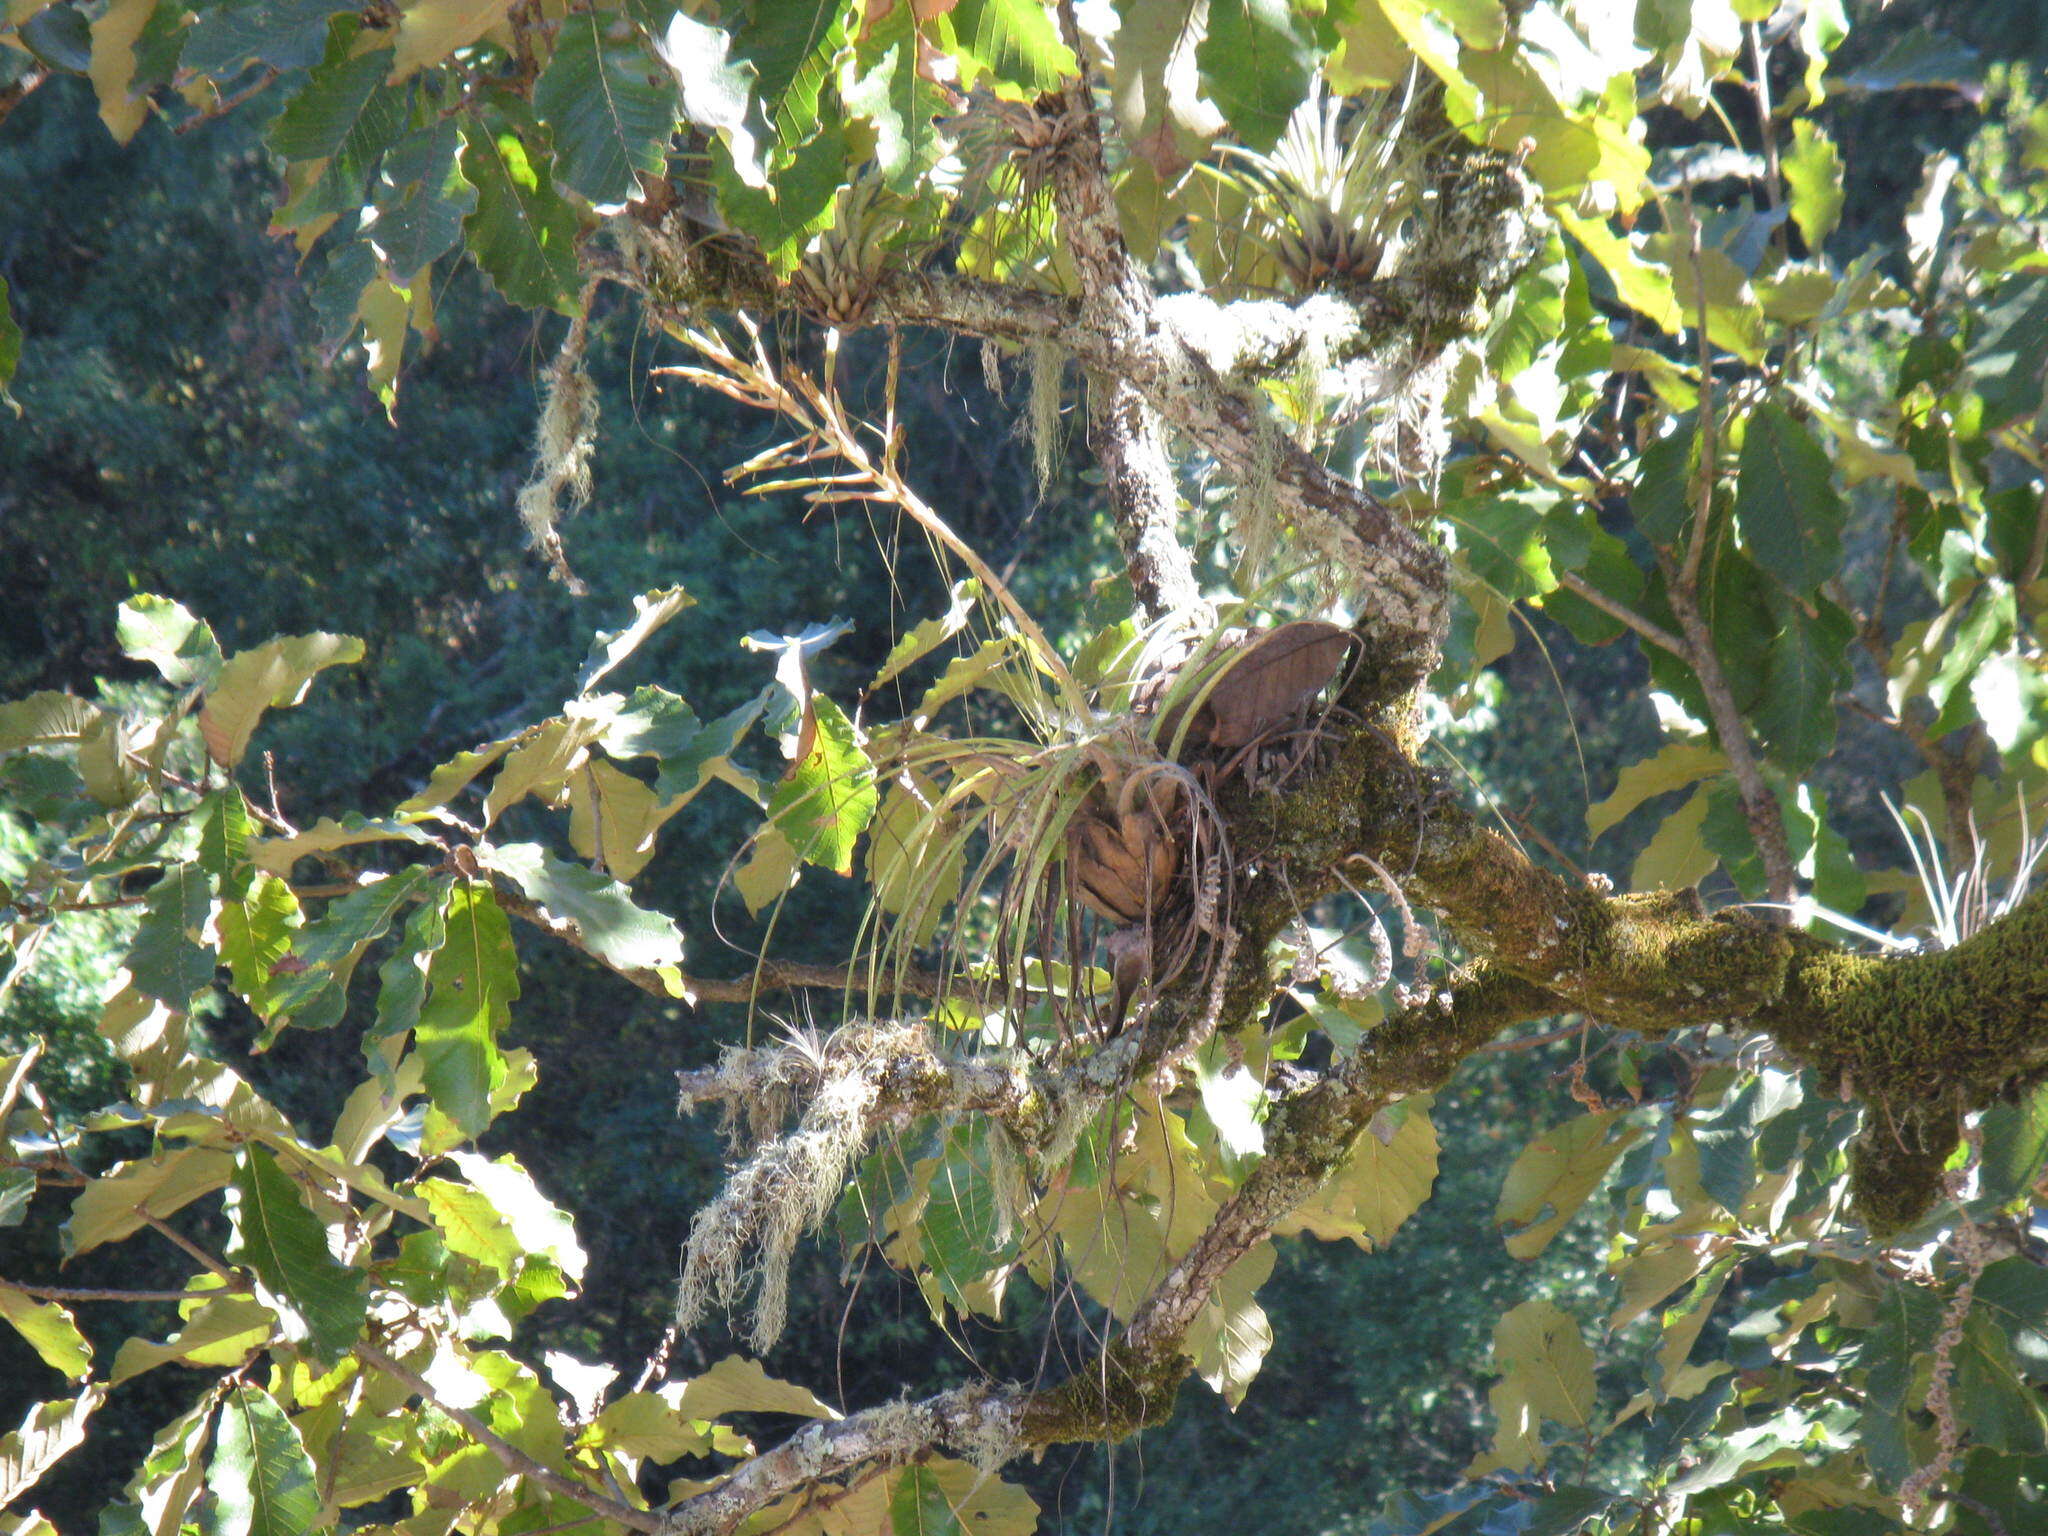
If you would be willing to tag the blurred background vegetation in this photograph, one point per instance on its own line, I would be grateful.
(185, 431)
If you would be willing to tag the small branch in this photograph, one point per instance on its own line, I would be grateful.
(1759, 805)
(1655, 633)
(227, 104)
(1760, 88)
(513, 1458)
(193, 1251)
(74, 1293)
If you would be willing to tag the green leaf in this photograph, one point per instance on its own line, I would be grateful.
(705, 754)
(739, 1385)
(610, 111)
(1785, 501)
(314, 991)
(892, 93)
(113, 1205)
(793, 47)
(828, 796)
(537, 1225)
(609, 647)
(17, 1190)
(1806, 666)
(256, 933)
(963, 1227)
(278, 854)
(261, 1479)
(1676, 858)
(422, 199)
(1256, 63)
(470, 1225)
(224, 832)
(1014, 42)
(1505, 538)
(652, 723)
(2009, 349)
(164, 634)
(45, 719)
(285, 1243)
(1554, 1175)
(928, 636)
(50, 1432)
(800, 203)
(1662, 501)
(272, 676)
(473, 978)
(1813, 171)
(171, 1475)
(1675, 765)
(1385, 1179)
(50, 1332)
(918, 1506)
(2015, 1148)
(522, 233)
(598, 911)
(59, 36)
(167, 961)
(402, 978)
(1539, 1347)
(328, 108)
(286, 34)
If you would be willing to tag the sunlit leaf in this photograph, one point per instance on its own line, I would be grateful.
(262, 1481)
(50, 1331)
(473, 978)
(272, 676)
(278, 1237)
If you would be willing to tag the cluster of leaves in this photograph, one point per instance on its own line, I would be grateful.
(380, 1264)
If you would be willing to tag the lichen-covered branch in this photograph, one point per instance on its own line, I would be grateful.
(1117, 299)
(1134, 1382)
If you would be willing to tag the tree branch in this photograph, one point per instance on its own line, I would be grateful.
(1116, 298)
(1399, 576)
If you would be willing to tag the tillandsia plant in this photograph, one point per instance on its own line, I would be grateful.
(1553, 318)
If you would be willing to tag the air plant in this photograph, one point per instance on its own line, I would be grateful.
(1977, 895)
(1326, 201)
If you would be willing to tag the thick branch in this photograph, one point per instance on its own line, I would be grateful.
(1132, 1385)
(980, 1422)
(1117, 299)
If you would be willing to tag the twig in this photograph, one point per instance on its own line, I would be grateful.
(1653, 632)
(88, 1293)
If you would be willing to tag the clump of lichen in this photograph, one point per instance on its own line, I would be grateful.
(788, 1184)
(562, 449)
